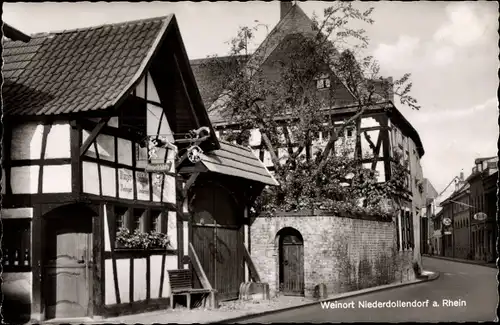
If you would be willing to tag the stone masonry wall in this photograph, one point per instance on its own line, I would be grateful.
(343, 253)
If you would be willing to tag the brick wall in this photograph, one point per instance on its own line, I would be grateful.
(343, 253)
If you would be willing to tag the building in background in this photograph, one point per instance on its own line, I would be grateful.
(482, 202)
(490, 184)
(427, 225)
(436, 212)
(456, 207)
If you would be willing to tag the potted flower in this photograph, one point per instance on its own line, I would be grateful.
(141, 240)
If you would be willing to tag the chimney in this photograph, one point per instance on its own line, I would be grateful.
(462, 176)
(285, 7)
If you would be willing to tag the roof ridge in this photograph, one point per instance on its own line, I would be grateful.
(127, 22)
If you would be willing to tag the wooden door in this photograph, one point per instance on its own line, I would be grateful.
(67, 268)
(292, 265)
(204, 245)
(216, 236)
(228, 262)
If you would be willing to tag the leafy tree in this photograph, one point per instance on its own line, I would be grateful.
(278, 95)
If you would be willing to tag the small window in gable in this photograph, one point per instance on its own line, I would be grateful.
(349, 132)
(133, 117)
(323, 82)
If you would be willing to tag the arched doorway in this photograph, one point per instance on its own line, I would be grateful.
(217, 237)
(67, 261)
(291, 262)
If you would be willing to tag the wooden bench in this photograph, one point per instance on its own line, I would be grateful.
(181, 284)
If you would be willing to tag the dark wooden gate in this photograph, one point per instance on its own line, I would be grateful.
(216, 234)
(68, 259)
(291, 263)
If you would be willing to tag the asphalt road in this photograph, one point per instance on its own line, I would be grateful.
(473, 287)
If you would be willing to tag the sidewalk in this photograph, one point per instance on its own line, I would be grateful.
(233, 311)
(460, 260)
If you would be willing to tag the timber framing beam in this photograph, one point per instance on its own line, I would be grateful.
(185, 88)
(86, 145)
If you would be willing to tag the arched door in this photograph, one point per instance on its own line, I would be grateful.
(291, 259)
(68, 260)
(217, 238)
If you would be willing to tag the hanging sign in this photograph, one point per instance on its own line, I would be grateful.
(159, 168)
(446, 221)
(480, 216)
(125, 183)
(142, 183)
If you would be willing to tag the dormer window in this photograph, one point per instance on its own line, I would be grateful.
(349, 132)
(323, 82)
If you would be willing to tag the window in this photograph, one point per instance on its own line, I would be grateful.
(157, 221)
(406, 230)
(323, 82)
(120, 217)
(16, 245)
(138, 219)
(133, 117)
(349, 132)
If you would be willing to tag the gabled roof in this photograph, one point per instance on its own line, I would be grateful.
(463, 189)
(78, 70)
(295, 22)
(237, 161)
(430, 190)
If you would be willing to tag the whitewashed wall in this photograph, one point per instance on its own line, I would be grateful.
(105, 149)
(27, 144)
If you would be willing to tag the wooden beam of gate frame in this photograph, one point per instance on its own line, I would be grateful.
(195, 261)
(254, 275)
(189, 183)
(86, 145)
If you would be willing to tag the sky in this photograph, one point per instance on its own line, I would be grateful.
(450, 49)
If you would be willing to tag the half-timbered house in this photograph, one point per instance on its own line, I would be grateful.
(78, 105)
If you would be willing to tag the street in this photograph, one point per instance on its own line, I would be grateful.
(472, 288)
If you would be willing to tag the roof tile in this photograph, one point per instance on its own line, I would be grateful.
(73, 70)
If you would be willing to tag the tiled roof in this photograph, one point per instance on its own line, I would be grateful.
(209, 83)
(77, 70)
(237, 161)
(208, 79)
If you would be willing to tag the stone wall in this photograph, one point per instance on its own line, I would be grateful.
(343, 253)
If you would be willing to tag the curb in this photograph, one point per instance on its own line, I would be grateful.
(430, 277)
(461, 261)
